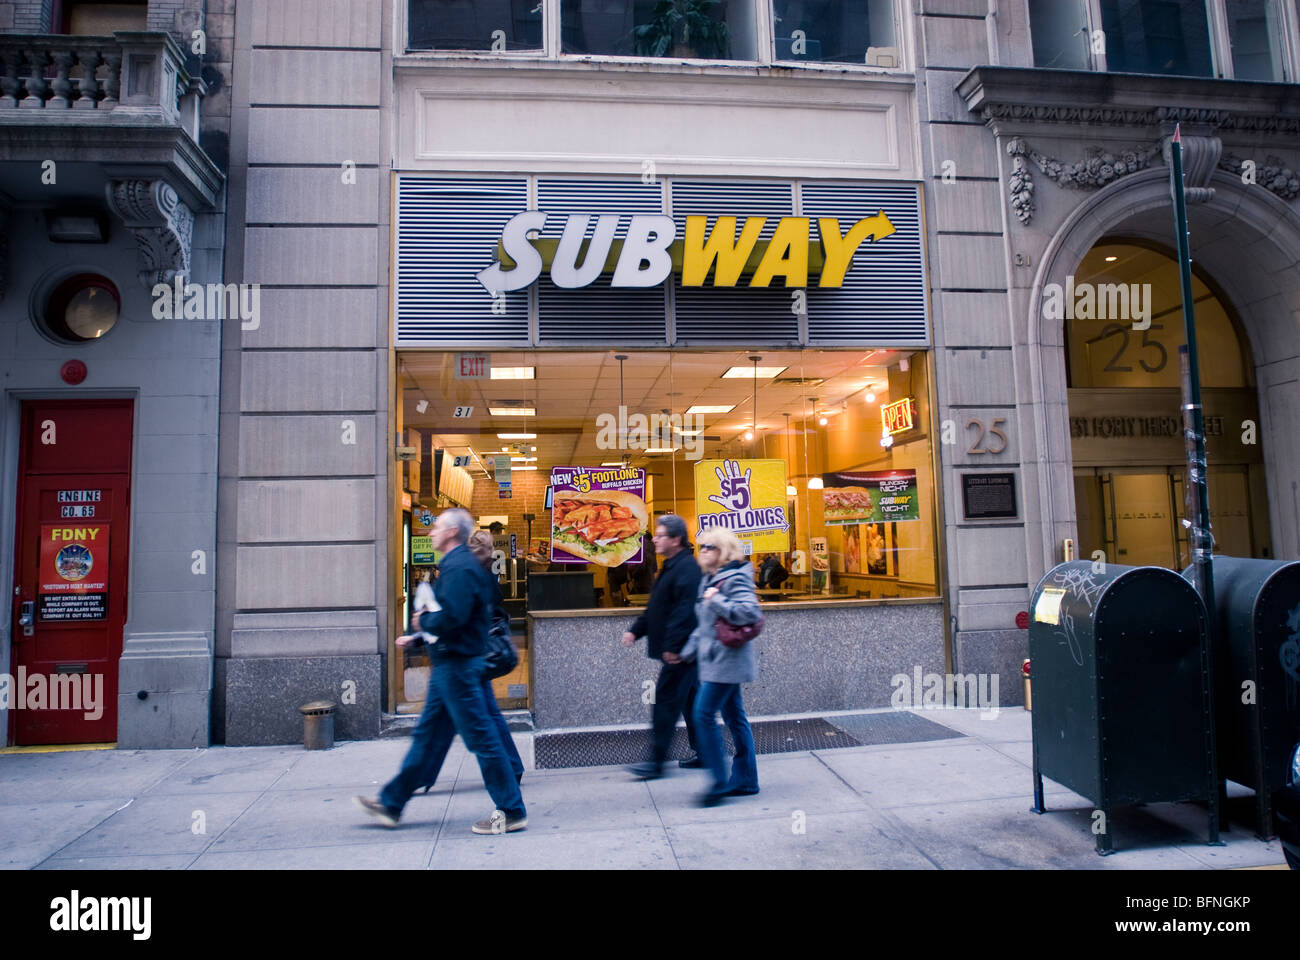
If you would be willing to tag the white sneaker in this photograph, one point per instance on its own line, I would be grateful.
(498, 822)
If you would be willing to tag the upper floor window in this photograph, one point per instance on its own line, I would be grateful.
(491, 25)
(85, 18)
(680, 29)
(1241, 39)
(859, 32)
(830, 31)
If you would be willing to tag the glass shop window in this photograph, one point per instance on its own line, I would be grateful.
(85, 19)
(828, 31)
(1060, 34)
(1157, 36)
(674, 29)
(489, 25)
(820, 461)
(1256, 31)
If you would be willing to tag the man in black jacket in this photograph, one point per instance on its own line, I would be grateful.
(465, 597)
(666, 624)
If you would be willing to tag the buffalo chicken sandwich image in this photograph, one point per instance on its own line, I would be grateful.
(847, 503)
(603, 526)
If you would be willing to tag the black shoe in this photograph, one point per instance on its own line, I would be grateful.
(693, 762)
(742, 791)
(646, 771)
(711, 799)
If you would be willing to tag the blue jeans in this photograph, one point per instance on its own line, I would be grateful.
(444, 731)
(455, 704)
(711, 698)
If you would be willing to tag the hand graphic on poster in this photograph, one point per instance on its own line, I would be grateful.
(734, 487)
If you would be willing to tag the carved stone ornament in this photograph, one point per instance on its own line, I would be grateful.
(1274, 175)
(1092, 173)
(1200, 157)
(163, 226)
(995, 113)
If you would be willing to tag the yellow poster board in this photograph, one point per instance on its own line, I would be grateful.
(746, 497)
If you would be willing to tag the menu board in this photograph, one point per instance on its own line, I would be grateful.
(598, 515)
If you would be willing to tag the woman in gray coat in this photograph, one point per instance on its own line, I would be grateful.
(726, 591)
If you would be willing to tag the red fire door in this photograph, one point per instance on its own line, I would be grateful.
(70, 570)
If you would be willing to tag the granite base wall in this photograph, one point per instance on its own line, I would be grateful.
(263, 694)
(809, 660)
(998, 652)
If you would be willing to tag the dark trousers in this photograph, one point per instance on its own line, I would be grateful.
(674, 697)
(725, 698)
(444, 731)
(456, 689)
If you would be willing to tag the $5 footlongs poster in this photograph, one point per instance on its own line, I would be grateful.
(746, 497)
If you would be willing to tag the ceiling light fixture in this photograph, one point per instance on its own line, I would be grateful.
(815, 483)
(515, 469)
(710, 408)
(745, 373)
(516, 436)
(514, 373)
(513, 411)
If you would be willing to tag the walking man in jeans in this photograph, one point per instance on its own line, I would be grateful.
(666, 624)
(464, 593)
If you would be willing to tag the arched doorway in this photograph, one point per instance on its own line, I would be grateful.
(1123, 328)
(1248, 241)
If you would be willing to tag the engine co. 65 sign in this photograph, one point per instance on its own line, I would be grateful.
(649, 252)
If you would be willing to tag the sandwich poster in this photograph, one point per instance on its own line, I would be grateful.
(598, 515)
(746, 497)
(874, 497)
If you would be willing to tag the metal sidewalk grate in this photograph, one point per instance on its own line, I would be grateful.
(601, 747)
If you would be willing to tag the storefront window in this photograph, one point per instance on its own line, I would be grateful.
(824, 31)
(568, 457)
(490, 25)
(679, 29)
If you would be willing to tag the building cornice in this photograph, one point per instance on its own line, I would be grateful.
(1012, 99)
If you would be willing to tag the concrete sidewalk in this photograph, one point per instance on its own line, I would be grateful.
(957, 803)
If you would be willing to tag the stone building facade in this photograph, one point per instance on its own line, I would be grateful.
(270, 443)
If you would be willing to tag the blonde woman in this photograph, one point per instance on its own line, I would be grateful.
(727, 592)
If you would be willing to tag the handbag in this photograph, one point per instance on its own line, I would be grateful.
(501, 656)
(733, 636)
(730, 635)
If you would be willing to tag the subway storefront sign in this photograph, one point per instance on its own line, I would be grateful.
(649, 251)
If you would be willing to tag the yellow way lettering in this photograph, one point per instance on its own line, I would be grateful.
(699, 253)
(787, 254)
